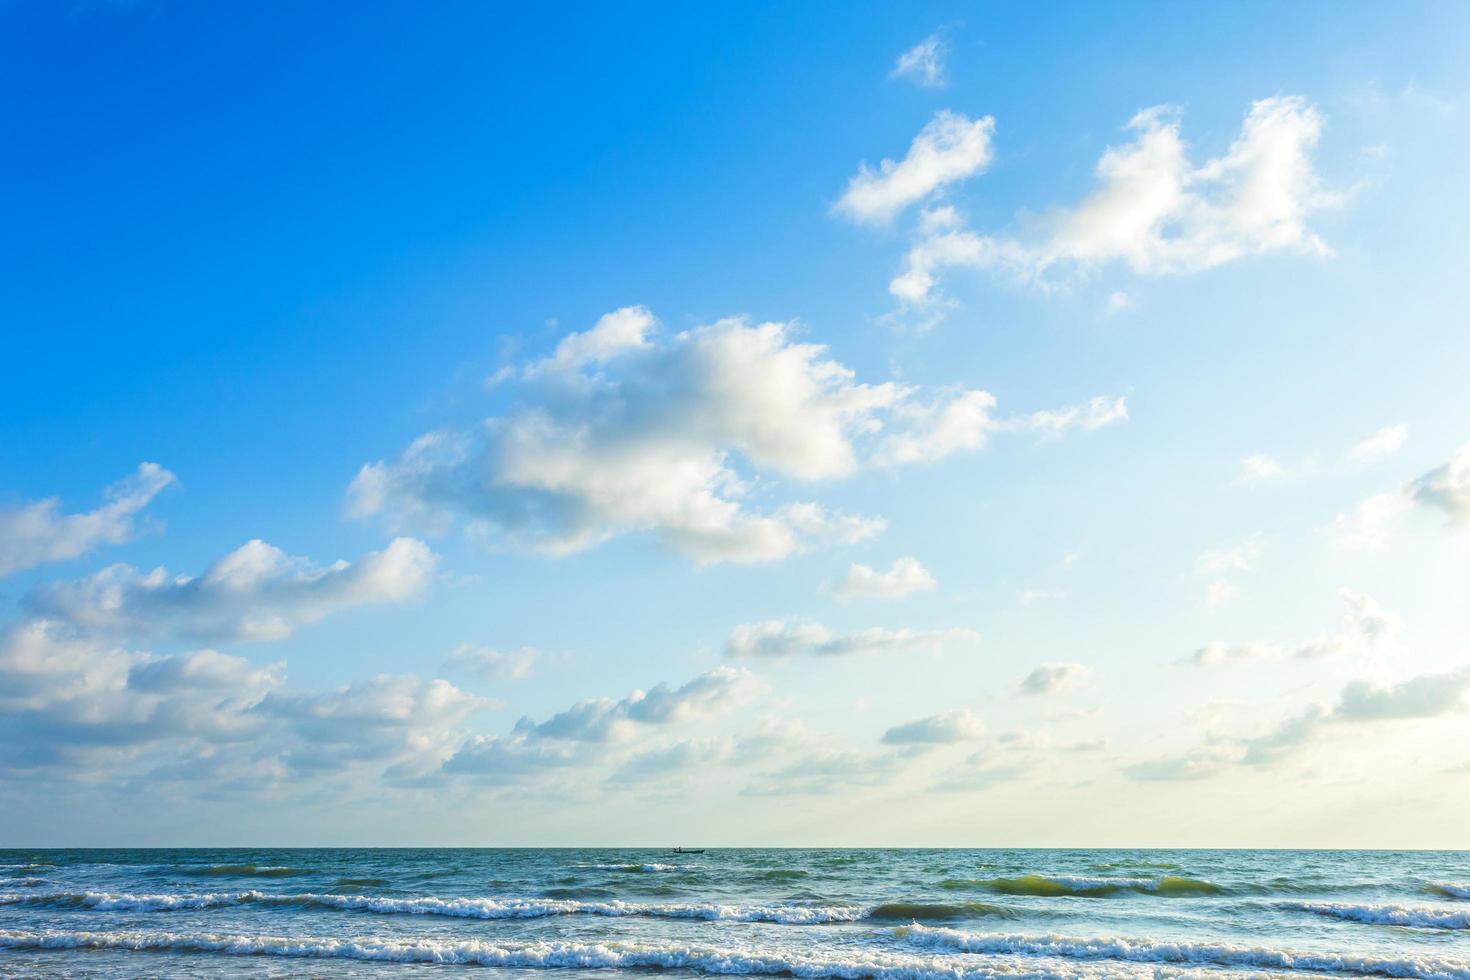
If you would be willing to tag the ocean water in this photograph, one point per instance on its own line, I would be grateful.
(811, 913)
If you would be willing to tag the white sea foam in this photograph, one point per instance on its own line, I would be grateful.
(1193, 954)
(464, 908)
(709, 960)
(1426, 917)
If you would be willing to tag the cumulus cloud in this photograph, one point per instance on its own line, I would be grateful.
(604, 720)
(1361, 701)
(1365, 625)
(923, 64)
(256, 592)
(951, 148)
(1050, 678)
(677, 437)
(36, 533)
(615, 334)
(1381, 444)
(904, 577)
(963, 423)
(83, 708)
(941, 729)
(778, 638)
(1154, 211)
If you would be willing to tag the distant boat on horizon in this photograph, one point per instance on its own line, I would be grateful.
(688, 850)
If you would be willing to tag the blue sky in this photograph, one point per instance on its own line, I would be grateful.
(1148, 504)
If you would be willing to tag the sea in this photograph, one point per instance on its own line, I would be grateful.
(883, 914)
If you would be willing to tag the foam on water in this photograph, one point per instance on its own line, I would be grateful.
(709, 960)
(1201, 954)
(1424, 917)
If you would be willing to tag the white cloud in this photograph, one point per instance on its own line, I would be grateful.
(512, 665)
(1381, 444)
(256, 592)
(603, 719)
(1254, 469)
(923, 63)
(1154, 211)
(1240, 558)
(781, 638)
(1030, 597)
(1371, 524)
(1365, 625)
(1050, 678)
(83, 709)
(1446, 488)
(950, 148)
(615, 334)
(904, 577)
(1219, 593)
(942, 729)
(676, 438)
(36, 533)
(1426, 696)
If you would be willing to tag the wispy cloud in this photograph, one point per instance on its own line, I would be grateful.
(36, 533)
(924, 63)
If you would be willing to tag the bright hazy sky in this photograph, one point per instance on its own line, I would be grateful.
(786, 424)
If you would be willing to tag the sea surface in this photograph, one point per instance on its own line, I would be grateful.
(850, 914)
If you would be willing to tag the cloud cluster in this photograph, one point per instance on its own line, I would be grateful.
(620, 431)
(585, 733)
(256, 592)
(1153, 211)
(37, 533)
(1365, 625)
(81, 708)
(1374, 522)
(904, 577)
(779, 638)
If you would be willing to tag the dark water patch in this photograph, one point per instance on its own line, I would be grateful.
(928, 911)
(579, 893)
(781, 874)
(247, 871)
(360, 882)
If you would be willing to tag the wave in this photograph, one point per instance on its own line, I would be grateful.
(1451, 889)
(707, 960)
(641, 868)
(1185, 953)
(1079, 886)
(922, 910)
(247, 871)
(360, 882)
(1387, 915)
(462, 908)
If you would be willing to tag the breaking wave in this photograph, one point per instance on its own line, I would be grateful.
(1387, 915)
(1184, 953)
(707, 960)
(1079, 886)
(1451, 889)
(460, 908)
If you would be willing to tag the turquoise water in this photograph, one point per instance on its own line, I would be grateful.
(851, 914)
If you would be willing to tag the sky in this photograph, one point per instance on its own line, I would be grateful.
(829, 424)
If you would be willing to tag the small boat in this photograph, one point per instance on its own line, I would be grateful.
(688, 850)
